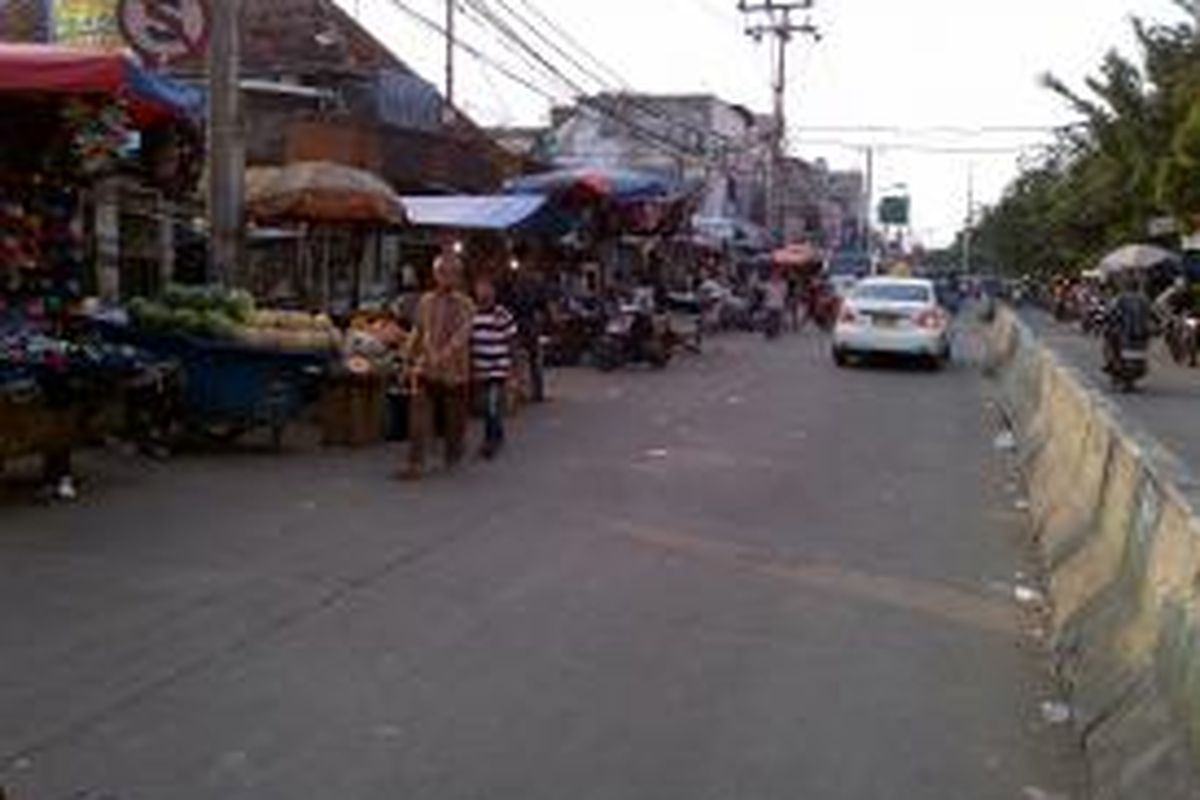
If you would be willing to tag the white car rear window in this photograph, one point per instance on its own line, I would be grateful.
(893, 292)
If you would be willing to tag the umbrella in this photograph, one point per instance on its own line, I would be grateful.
(1134, 257)
(797, 255)
(320, 191)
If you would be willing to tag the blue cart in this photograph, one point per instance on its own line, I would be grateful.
(229, 389)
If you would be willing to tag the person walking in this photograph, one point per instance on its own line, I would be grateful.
(775, 298)
(439, 359)
(492, 339)
(530, 304)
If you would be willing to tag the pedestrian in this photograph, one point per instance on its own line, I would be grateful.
(775, 294)
(492, 339)
(531, 307)
(439, 363)
(793, 301)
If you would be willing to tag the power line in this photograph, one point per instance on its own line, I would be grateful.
(582, 68)
(916, 147)
(515, 36)
(649, 136)
(573, 42)
(951, 130)
(630, 98)
(473, 51)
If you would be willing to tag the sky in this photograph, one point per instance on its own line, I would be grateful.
(914, 74)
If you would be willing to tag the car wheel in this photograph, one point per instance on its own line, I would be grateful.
(841, 357)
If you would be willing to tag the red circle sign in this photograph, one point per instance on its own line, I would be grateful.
(162, 31)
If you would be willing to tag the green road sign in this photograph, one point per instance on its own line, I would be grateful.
(894, 210)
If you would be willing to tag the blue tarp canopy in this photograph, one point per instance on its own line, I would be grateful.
(596, 183)
(473, 212)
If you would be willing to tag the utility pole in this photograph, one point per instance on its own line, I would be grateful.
(773, 18)
(968, 232)
(869, 240)
(226, 152)
(450, 9)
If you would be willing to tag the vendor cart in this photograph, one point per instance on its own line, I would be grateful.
(230, 389)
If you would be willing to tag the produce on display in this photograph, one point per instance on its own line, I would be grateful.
(231, 315)
(374, 344)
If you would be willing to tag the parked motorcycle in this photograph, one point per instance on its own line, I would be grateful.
(633, 335)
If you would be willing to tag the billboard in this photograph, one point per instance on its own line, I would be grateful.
(87, 23)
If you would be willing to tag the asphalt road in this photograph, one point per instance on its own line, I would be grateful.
(1165, 406)
(750, 576)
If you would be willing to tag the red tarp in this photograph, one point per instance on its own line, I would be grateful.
(49, 69)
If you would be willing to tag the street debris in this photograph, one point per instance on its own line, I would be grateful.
(1056, 713)
(1027, 596)
(388, 732)
(1034, 793)
(658, 453)
(1005, 441)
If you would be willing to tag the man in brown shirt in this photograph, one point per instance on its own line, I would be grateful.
(439, 358)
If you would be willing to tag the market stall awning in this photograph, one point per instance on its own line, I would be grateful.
(321, 192)
(49, 69)
(471, 212)
(597, 183)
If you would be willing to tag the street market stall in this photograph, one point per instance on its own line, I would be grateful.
(72, 119)
(629, 225)
(340, 211)
(336, 213)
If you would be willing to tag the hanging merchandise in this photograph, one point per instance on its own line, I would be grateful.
(98, 134)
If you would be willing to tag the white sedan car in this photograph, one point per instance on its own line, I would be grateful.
(895, 316)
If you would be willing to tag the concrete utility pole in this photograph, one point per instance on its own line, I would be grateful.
(226, 152)
(868, 241)
(969, 231)
(450, 9)
(774, 18)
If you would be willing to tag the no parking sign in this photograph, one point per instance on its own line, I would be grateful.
(162, 31)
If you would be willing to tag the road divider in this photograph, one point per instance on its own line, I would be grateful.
(1117, 522)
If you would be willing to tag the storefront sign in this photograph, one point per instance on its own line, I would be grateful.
(87, 23)
(162, 31)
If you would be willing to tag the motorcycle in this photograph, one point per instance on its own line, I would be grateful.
(825, 310)
(1127, 365)
(772, 323)
(1183, 339)
(1093, 318)
(633, 335)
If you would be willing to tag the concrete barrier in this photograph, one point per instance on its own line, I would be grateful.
(1115, 517)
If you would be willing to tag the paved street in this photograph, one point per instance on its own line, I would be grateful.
(1165, 405)
(750, 576)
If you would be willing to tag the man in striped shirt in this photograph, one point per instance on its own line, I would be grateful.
(491, 361)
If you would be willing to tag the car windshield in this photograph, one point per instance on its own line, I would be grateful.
(893, 292)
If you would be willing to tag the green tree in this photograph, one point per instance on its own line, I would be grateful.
(1134, 155)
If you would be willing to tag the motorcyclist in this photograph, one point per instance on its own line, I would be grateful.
(1130, 322)
(1175, 300)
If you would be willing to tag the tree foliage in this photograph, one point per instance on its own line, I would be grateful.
(1134, 156)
